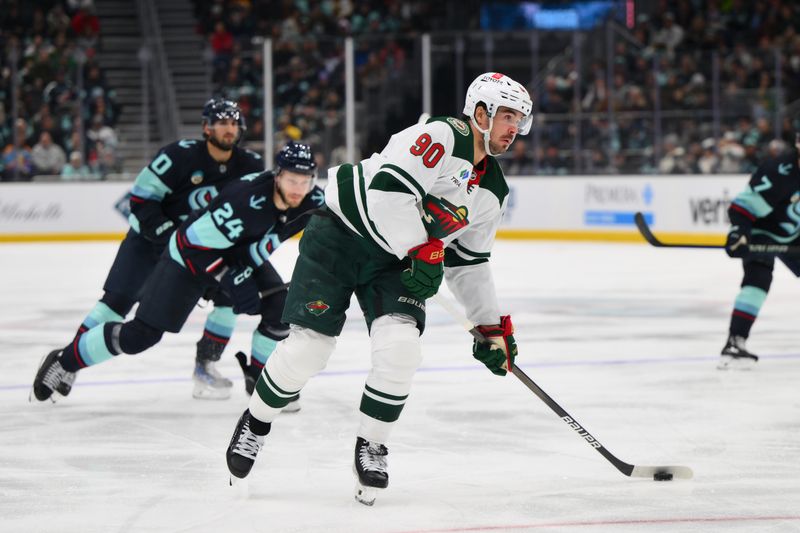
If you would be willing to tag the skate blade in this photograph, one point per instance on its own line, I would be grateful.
(366, 495)
(204, 392)
(292, 407)
(735, 363)
(240, 487)
(53, 397)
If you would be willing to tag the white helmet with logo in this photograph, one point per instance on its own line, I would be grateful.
(496, 90)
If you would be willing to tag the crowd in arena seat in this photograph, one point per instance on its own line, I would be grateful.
(54, 42)
(670, 49)
(674, 51)
(308, 58)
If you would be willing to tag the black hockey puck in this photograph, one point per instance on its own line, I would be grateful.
(662, 476)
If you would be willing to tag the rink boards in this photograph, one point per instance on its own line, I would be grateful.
(687, 208)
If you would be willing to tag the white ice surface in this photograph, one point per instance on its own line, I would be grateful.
(624, 337)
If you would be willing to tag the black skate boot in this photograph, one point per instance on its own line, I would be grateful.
(209, 384)
(735, 356)
(251, 372)
(244, 447)
(50, 376)
(370, 469)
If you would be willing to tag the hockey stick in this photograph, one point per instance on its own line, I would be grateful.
(658, 473)
(273, 290)
(644, 229)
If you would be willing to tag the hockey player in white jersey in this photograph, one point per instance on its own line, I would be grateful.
(426, 208)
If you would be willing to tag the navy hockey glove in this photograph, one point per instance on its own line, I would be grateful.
(240, 285)
(426, 272)
(737, 241)
(159, 233)
(500, 354)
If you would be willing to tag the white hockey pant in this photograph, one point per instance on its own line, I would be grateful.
(303, 354)
(396, 355)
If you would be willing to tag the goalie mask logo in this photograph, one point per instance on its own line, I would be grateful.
(317, 307)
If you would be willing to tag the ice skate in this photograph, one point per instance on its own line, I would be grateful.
(293, 406)
(735, 356)
(65, 387)
(50, 376)
(370, 469)
(209, 384)
(243, 449)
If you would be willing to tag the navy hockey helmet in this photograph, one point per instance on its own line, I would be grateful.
(296, 157)
(220, 108)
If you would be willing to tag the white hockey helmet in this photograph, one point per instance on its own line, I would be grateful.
(495, 90)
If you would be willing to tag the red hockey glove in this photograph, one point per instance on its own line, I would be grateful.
(426, 272)
(498, 356)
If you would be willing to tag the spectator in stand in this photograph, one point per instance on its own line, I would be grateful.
(221, 42)
(48, 157)
(17, 156)
(552, 162)
(99, 131)
(708, 162)
(731, 154)
(76, 170)
(520, 163)
(776, 147)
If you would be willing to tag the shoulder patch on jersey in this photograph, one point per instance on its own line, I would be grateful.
(494, 181)
(255, 202)
(459, 125)
(462, 138)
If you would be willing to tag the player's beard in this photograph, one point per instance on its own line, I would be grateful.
(222, 145)
(286, 200)
(498, 148)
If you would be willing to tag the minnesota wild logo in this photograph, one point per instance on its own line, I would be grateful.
(459, 126)
(317, 307)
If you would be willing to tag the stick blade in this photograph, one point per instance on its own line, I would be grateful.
(678, 472)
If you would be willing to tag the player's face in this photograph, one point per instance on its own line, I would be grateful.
(505, 127)
(293, 187)
(224, 133)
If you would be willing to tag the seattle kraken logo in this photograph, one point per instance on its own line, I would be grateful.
(793, 213)
(201, 197)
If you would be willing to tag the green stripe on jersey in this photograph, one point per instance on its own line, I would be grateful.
(404, 177)
(347, 200)
(466, 251)
(357, 214)
(453, 260)
(383, 181)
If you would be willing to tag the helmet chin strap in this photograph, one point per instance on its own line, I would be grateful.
(485, 133)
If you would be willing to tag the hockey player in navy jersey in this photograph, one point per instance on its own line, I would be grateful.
(224, 247)
(767, 211)
(425, 208)
(183, 177)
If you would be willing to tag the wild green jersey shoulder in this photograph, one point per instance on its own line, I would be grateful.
(415, 158)
(381, 197)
